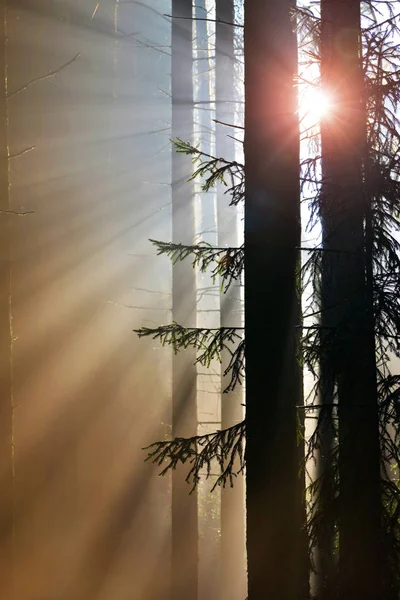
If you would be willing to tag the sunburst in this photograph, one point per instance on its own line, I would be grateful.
(314, 104)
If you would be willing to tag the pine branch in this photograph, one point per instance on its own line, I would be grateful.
(229, 262)
(209, 342)
(224, 449)
(236, 368)
(214, 170)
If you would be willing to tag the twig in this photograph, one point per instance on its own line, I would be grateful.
(43, 77)
(228, 124)
(21, 153)
(205, 19)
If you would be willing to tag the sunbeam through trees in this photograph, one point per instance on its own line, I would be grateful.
(200, 300)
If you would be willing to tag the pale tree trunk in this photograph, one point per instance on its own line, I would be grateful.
(233, 581)
(272, 238)
(207, 305)
(6, 421)
(184, 409)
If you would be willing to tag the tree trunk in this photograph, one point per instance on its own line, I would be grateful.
(353, 358)
(184, 408)
(207, 307)
(233, 581)
(325, 560)
(272, 238)
(6, 429)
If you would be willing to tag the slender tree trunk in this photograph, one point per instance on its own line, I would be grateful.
(6, 420)
(233, 581)
(206, 230)
(324, 468)
(272, 238)
(343, 135)
(303, 558)
(303, 588)
(184, 409)
(203, 80)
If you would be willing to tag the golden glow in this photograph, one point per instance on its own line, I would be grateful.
(313, 105)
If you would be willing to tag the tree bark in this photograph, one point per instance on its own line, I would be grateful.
(325, 560)
(6, 407)
(233, 581)
(272, 238)
(353, 357)
(184, 408)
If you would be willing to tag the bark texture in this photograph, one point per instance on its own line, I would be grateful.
(272, 238)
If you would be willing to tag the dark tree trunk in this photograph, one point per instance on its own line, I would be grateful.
(303, 560)
(184, 408)
(325, 560)
(233, 581)
(272, 238)
(353, 357)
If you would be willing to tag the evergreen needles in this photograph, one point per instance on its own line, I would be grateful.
(226, 263)
(205, 454)
(208, 342)
(330, 324)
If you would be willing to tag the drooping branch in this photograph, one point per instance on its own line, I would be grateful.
(214, 170)
(235, 367)
(228, 262)
(209, 342)
(223, 449)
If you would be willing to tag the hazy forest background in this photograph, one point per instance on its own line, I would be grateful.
(85, 182)
(91, 94)
(87, 130)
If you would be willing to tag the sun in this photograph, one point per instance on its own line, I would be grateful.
(313, 105)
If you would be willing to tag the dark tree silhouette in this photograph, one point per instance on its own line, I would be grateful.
(345, 206)
(272, 241)
(354, 274)
(356, 495)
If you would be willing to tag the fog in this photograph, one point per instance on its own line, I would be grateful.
(86, 181)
